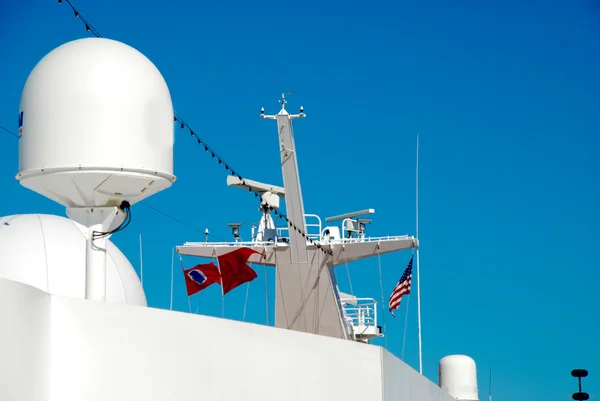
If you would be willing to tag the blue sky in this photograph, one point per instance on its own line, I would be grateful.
(505, 97)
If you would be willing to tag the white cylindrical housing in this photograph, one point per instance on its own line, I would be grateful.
(96, 125)
(458, 376)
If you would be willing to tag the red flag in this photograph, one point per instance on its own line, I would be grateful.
(234, 270)
(200, 277)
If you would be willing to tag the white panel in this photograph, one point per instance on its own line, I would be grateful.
(24, 343)
(403, 383)
(61, 349)
(109, 352)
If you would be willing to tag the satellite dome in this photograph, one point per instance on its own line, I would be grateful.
(95, 126)
(458, 376)
(48, 252)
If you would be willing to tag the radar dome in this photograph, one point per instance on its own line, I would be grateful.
(458, 376)
(95, 126)
(49, 252)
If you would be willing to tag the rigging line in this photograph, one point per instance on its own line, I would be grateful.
(214, 256)
(182, 269)
(228, 168)
(246, 301)
(278, 278)
(172, 276)
(266, 285)
(9, 132)
(316, 312)
(199, 301)
(405, 324)
(88, 26)
(170, 217)
(382, 299)
(213, 153)
(348, 272)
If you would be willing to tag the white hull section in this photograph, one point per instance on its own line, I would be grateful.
(63, 349)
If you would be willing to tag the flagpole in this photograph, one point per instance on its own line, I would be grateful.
(417, 252)
(141, 264)
(172, 273)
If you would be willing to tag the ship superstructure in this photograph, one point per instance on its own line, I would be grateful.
(74, 325)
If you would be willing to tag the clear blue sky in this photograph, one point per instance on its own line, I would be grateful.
(505, 96)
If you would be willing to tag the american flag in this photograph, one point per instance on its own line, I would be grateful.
(402, 288)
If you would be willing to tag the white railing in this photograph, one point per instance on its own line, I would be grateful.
(368, 239)
(310, 232)
(362, 318)
(350, 232)
(230, 243)
(285, 238)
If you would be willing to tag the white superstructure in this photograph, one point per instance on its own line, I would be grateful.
(96, 136)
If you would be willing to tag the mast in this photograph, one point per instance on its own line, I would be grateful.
(306, 297)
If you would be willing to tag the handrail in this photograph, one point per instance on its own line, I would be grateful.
(362, 318)
(270, 243)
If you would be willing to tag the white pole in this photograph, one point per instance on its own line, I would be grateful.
(95, 265)
(141, 263)
(418, 270)
(172, 270)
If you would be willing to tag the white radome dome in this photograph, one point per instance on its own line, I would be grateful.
(458, 377)
(48, 252)
(95, 125)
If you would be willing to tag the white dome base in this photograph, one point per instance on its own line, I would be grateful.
(49, 253)
(94, 187)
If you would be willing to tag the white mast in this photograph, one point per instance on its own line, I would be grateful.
(417, 251)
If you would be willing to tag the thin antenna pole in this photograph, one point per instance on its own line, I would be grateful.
(490, 396)
(417, 251)
(141, 263)
(172, 273)
(405, 325)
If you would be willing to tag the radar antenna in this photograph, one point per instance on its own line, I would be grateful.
(269, 200)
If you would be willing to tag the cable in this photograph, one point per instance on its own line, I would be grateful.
(229, 169)
(9, 131)
(170, 217)
(88, 26)
(126, 208)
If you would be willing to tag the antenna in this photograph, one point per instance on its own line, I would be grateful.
(96, 181)
(490, 393)
(579, 374)
(235, 230)
(417, 252)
